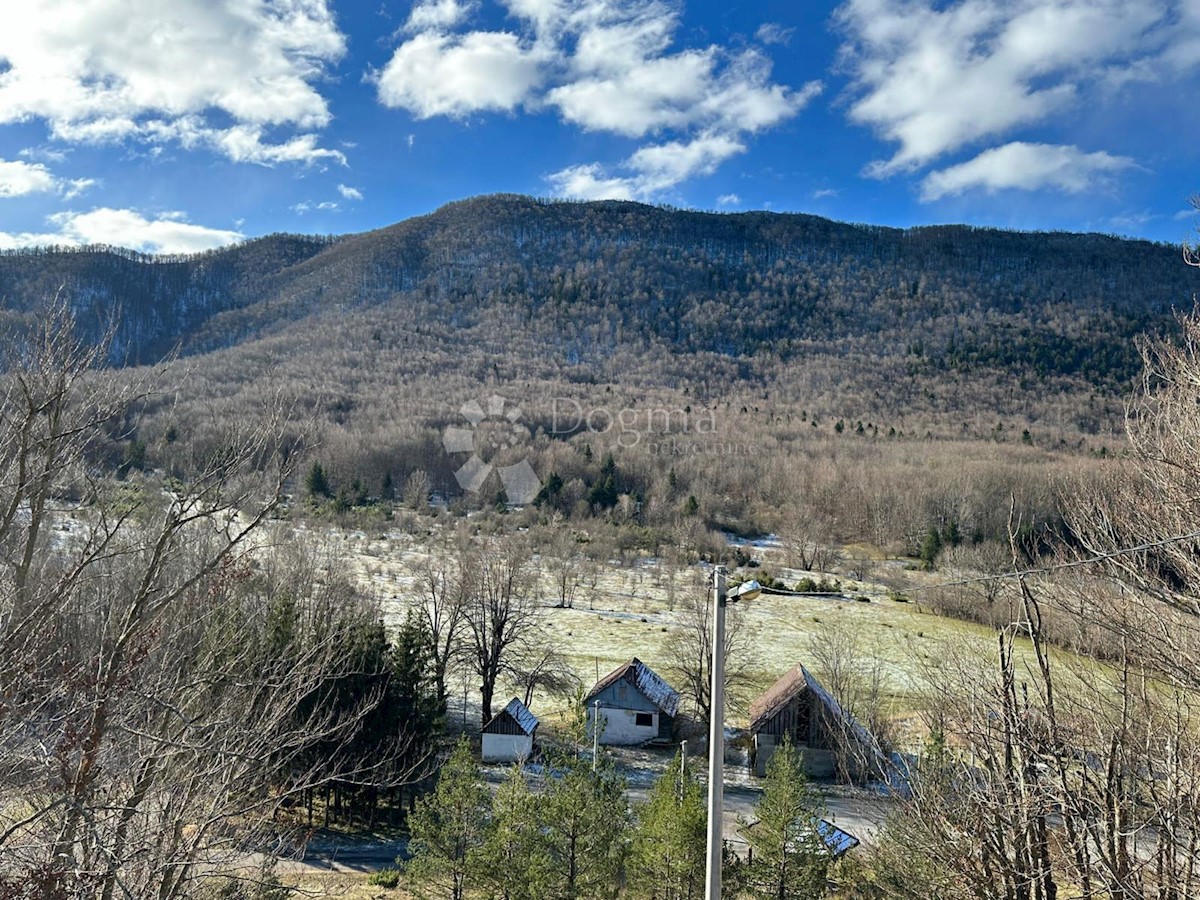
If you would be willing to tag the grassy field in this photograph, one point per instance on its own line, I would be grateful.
(631, 613)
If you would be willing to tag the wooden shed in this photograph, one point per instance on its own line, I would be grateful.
(636, 705)
(798, 705)
(509, 736)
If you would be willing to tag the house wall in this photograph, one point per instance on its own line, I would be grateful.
(818, 763)
(620, 728)
(506, 747)
(623, 694)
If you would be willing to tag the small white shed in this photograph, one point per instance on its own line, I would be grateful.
(509, 736)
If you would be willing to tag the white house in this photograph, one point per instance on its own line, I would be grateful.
(509, 736)
(635, 705)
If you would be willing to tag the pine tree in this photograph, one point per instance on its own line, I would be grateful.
(789, 858)
(448, 827)
(668, 852)
(514, 861)
(585, 818)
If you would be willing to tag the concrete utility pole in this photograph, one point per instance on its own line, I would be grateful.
(716, 740)
(716, 726)
(682, 766)
(596, 735)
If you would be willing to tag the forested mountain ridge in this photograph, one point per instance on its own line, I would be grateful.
(594, 276)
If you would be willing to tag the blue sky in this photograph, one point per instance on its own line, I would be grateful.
(177, 125)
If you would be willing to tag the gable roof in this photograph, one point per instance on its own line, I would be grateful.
(520, 714)
(646, 680)
(783, 691)
(776, 697)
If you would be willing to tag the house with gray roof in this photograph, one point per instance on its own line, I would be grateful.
(509, 736)
(636, 705)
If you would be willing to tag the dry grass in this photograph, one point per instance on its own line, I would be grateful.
(630, 614)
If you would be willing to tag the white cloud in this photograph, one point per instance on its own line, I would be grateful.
(729, 200)
(825, 193)
(73, 187)
(349, 193)
(772, 33)
(1028, 167)
(20, 178)
(603, 65)
(1185, 215)
(435, 74)
(111, 70)
(169, 233)
(650, 170)
(934, 78)
(437, 14)
(305, 206)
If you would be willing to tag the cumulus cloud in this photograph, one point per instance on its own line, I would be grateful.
(649, 171)
(349, 193)
(602, 65)
(18, 178)
(168, 233)
(934, 78)
(113, 70)
(436, 74)
(728, 200)
(1024, 166)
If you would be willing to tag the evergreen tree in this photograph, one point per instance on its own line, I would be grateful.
(667, 857)
(514, 861)
(316, 482)
(448, 828)
(387, 490)
(789, 858)
(931, 547)
(585, 818)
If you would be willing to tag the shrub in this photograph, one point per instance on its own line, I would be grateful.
(385, 878)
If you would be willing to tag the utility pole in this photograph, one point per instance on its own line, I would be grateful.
(596, 735)
(716, 740)
(682, 767)
(716, 726)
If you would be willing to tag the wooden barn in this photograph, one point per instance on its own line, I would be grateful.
(636, 705)
(509, 736)
(797, 704)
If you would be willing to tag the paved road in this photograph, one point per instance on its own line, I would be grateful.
(858, 812)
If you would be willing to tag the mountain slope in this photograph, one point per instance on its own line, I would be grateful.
(596, 277)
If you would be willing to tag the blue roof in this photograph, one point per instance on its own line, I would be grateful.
(835, 839)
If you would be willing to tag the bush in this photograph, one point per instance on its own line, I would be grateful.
(385, 878)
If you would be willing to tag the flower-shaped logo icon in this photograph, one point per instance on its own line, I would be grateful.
(494, 429)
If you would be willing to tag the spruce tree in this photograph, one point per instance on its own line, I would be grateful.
(316, 482)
